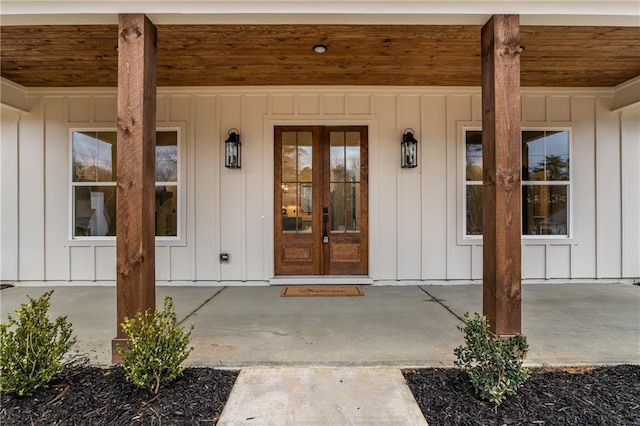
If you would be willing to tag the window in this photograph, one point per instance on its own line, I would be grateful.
(93, 183)
(546, 182)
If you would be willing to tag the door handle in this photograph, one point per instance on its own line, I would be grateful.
(325, 220)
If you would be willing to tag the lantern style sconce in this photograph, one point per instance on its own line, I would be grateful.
(233, 150)
(409, 150)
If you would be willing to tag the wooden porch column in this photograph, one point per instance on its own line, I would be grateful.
(135, 191)
(501, 169)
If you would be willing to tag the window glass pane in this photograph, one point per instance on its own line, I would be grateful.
(545, 155)
(337, 148)
(94, 156)
(557, 155)
(353, 156)
(473, 150)
(166, 211)
(544, 210)
(337, 206)
(352, 207)
(532, 155)
(167, 156)
(304, 157)
(289, 156)
(94, 211)
(474, 209)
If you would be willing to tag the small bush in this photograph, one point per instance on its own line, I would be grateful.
(156, 347)
(494, 364)
(31, 354)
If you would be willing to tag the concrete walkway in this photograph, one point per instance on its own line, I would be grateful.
(337, 360)
(321, 396)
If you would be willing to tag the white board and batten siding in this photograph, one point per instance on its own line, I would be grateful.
(415, 215)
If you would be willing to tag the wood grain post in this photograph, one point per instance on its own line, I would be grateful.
(501, 170)
(135, 191)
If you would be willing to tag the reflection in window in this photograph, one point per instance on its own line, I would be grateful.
(94, 156)
(545, 182)
(166, 207)
(474, 209)
(544, 209)
(93, 183)
(94, 210)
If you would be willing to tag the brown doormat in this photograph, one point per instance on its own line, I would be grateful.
(321, 291)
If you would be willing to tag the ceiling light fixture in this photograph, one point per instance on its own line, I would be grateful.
(319, 48)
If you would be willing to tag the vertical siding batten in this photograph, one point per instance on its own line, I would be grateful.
(9, 184)
(608, 195)
(190, 186)
(410, 203)
(630, 136)
(204, 183)
(31, 246)
(434, 190)
(231, 192)
(584, 186)
(57, 193)
(459, 108)
(243, 198)
(256, 174)
(399, 223)
(387, 170)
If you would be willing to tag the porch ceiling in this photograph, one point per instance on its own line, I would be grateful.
(256, 55)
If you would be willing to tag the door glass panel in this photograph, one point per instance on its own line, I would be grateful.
(336, 155)
(305, 207)
(353, 156)
(337, 207)
(297, 185)
(352, 207)
(304, 156)
(345, 178)
(289, 207)
(289, 159)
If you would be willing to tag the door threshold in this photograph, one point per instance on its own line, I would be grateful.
(321, 280)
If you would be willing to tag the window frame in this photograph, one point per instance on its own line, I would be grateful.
(569, 184)
(178, 239)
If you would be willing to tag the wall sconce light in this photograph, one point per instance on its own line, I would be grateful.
(233, 150)
(409, 150)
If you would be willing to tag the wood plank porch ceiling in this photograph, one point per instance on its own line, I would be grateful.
(257, 55)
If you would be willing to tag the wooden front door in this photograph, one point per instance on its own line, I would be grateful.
(321, 199)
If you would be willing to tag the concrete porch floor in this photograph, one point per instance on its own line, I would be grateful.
(392, 326)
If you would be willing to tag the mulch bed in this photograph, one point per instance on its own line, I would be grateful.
(85, 395)
(599, 396)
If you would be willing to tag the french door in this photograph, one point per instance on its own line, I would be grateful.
(321, 199)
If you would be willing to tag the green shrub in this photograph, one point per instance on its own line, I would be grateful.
(494, 364)
(31, 354)
(156, 347)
